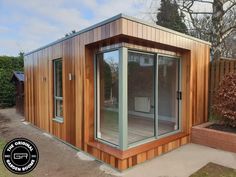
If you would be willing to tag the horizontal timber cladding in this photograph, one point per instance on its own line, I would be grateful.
(77, 54)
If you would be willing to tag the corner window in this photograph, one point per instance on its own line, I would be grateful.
(138, 97)
(58, 96)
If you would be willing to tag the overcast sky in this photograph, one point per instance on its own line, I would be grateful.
(28, 24)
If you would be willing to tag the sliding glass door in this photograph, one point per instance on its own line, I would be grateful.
(169, 94)
(138, 97)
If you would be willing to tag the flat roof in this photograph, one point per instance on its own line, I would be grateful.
(116, 18)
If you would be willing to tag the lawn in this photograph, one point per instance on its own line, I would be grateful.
(215, 170)
(3, 171)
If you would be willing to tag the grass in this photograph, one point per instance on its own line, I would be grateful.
(3, 171)
(215, 170)
(2, 144)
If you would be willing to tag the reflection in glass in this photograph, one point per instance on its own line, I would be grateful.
(141, 100)
(107, 86)
(59, 110)
(58, 78)
(168, 86)
(58, 88)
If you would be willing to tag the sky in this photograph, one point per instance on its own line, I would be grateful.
(29, 24)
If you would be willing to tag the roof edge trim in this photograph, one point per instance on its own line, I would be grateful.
(116, 18)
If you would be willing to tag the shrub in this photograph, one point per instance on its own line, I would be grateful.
(225, 100)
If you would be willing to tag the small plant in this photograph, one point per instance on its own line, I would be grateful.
(225, 100)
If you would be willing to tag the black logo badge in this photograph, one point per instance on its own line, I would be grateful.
(20, 156)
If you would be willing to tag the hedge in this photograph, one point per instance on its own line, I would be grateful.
(9, 64)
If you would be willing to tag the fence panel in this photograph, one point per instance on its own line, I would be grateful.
(218, 69)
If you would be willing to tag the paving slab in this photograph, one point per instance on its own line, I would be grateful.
(183, 162)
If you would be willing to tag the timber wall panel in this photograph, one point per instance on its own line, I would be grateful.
(26, 89)
(45, 90)
(35, 89)
(79, 96)
(31, 90)
(69, 90)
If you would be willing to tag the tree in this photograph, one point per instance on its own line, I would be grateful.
(229, 46)
(21, 55)
(71, 33)
(169, 16)
(219, 20)
(107, 80)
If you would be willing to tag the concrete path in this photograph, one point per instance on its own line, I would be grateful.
(183, 162)
(58, 159)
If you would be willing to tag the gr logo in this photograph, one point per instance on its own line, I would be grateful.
(20, 156)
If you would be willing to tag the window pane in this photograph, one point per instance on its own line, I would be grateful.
(58, 78)
(59, 108)
(107, 84)
(58, 88)
(141, 100)
(168, 74)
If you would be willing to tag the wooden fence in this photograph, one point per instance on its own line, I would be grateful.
(218, 69)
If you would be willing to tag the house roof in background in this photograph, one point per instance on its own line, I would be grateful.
(18, 75)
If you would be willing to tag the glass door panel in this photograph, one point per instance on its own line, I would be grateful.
(168, 93)
(107, 97)
(141, 97)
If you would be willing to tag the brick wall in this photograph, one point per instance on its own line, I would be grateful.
(213, 138)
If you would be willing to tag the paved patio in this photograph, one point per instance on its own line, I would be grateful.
(183, 162)
(58, 159)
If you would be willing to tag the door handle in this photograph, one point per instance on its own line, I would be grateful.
(179, 95)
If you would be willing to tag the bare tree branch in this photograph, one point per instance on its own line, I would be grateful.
(216, 24)
(210, 13)
(229, 8)
(228, 31)
(209, 2)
